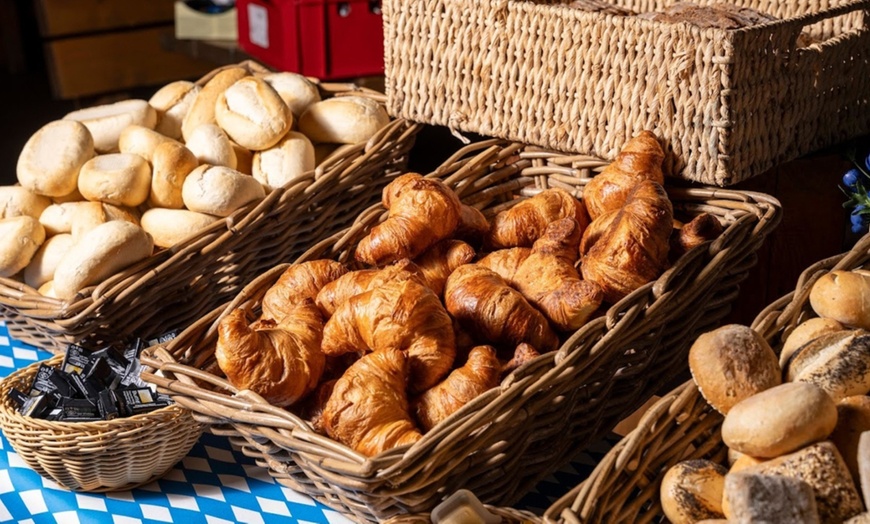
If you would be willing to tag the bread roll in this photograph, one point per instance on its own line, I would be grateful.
(805, 332)
(50, 161)
(172, 103)
(780, 420)
(295, 90)
(732, 363)
(142, 141)
(210, 145)
(170, 165)
(692, 491)
(20, 238)
(841, 370)
(745, 461)
(217, 190)
(89, 215)
(170, 226)
(287, 161)
(252, 114)
(58, 218)
(202, 108)
(47, 289)
(771, 499)
(43, 264)
(121, 179)
(106, 122)
(102, 252)
(244, 159)
(805, 354)
(343, 120)
(16, 201)
(853, 418)
(74, 196)
(843, 296)
(861, 518)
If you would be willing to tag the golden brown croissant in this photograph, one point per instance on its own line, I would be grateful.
(299, 282)
(311, 408)
(403, 314)
(279, 361)
(700, 229)
(524, 223)
(640, 159)
(473, 226)
(494, 312)
(437, 262)
(595, 230)
(524, 353)
(354, 283)
(480, 373)
(422, 211)
(368, 407)
(634, 249)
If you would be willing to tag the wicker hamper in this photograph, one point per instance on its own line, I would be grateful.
(176, 286)
(503, 442)
(732, 103)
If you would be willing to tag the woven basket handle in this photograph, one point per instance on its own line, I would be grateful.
(793, 26)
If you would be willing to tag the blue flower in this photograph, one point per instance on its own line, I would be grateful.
(867, 162)
(850, 179)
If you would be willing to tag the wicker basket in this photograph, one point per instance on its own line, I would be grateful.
(542, 73)
(111, 455)
(624, 487)
(176, 286)
(499, 445)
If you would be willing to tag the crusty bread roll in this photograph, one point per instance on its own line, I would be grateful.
(842, 368)
(771, 499)
(50, 161)
(170, 165)
(692, 490)
(16, 201)
(343, 120)
(252, 114)
(780, 420)
(288, 160)
(201, 110)
(106, 122)
(218, 190)
(89, 215)
(210, 145)
(297, 91)
(244, 159)
(142, 141)
(102, 252)
(732, 363)
(843, 296)
(43, 264)
(57, 218)
(121, 179)
(20, 238)
(805, 332)
(170, 226)
(172, 102)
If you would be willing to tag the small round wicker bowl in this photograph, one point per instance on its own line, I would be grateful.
(113, 455)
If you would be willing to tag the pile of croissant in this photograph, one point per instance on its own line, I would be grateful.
(447, 302)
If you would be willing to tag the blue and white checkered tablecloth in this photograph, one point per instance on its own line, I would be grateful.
(214, 484)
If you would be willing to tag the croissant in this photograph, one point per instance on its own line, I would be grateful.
(297, 283)
(595, 230)
(437, 262)
(524, 353)
(494, 312)
(280, 361)
(368, 407)
(480, 373)
(405, 315)
(355, 283)
(640, 159)
(524, 223)
(700, 229)
(422, 211)
(634, 249)
(473, 226)
(311, 409)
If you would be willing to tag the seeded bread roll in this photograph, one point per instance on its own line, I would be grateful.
(692, 491)
(297, 91)
(771, 499)
(843, 296)
(20, 238)
(121, 179)
(106, 122)
(842, 369)
(170, 226)
(16, 201)
(140, 140)
(823, 344)
(172, 103)
(170, 165)
(202, 109)
(210, 145)
(287, 161)
(217, 190)
(50, 161)
(44, 263)
(343, 120)
(252, 114)
(853, 418)
(805, 332)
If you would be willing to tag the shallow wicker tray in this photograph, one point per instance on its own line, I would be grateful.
(113, 455)
(176, 286)
(541, 73)
(503, 442)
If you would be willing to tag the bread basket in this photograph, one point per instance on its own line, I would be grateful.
(500, 444)
(176, 286)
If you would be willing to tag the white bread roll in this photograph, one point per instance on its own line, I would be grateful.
(102, 252)
(297, 91)
(74, 196)
(16, 201)
(50, 161)
(288, 160)
(843, 296)
(252, 114)
(121, 179)
(139, 140)
(692, 490)
(170, 226)
(47, 289)
(343, 120)
(218, 190)
(172, 103)
(106, 122)
(58, 218)
(170, 165)
(44, 263)
(210, 145)
(20, 238)
(202, 109)
(244, 159)
(89, 215)
(805, 332)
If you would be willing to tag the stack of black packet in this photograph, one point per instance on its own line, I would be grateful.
(101, 384)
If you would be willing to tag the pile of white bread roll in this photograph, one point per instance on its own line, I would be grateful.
(797, 428)
(105, 186)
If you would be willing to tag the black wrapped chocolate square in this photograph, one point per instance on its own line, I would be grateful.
(133, 349)
(78, 410)
(18, 398)
(136, 401)
(108, 405)
(75, 360)
(39, 406)
(100, 373)
(85, 388)
(131, 376)
(51, 380)
(116, 360)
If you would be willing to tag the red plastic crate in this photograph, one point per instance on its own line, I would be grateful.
(326, 39)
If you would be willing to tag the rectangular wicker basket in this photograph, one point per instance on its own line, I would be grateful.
(732, 103)
(503, 442)
(176, 286)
